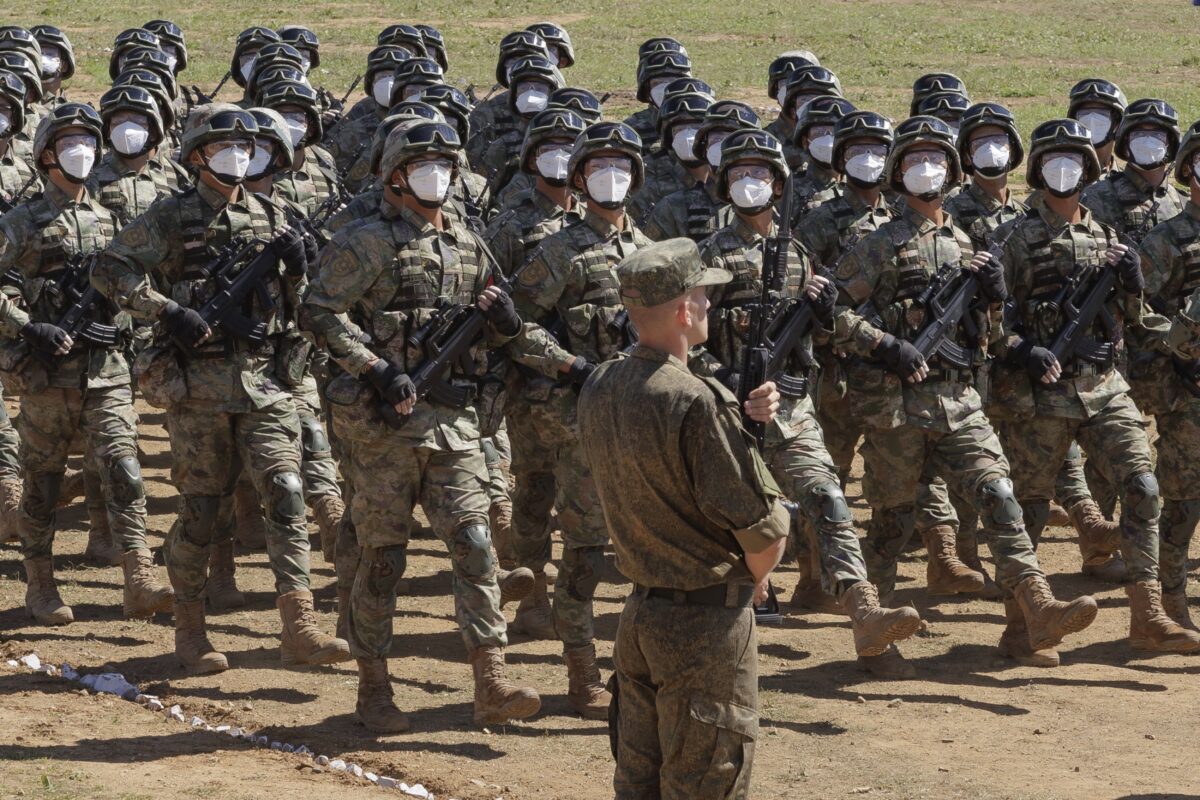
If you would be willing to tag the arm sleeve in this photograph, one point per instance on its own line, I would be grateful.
(123, 272)
(345, 272)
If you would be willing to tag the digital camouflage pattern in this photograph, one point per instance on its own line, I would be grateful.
(664, 176)
(817, 184)
(695, 212)
(129, 193)
(311, 183)
(1122, 200)
(514, 234)
(979, 213)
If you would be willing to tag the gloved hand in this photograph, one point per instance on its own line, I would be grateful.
(1040, 361)
(900, 356)
(184, 324)
(289, 245)
(580, 370)
(312, 250)
(44, 337)
(825, 303)
(1129, 271)
(991, 277)
(503, 315)
(393, 385)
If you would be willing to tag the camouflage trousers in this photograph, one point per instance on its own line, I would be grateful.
(389, 477)
(804, 470)
(48, 422)
(1178, 471)
(973, 463)
(551, 473)
(209, 449)
(497, 454)
(841, 425)
(1115, 438)
(686, 701)
(10, 446)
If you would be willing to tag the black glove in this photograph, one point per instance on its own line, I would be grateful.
(825, 304)
(503, 315)
(1129, 270)
(991, 280)
(184, 324)
(44, 337)
(1038, 362)
(579, 371)
(393, 385)
(312, 250)
(900, 356)
(289, 245)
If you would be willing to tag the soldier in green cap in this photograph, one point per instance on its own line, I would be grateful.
(698, 525)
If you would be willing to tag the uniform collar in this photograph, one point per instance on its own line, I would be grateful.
(216, 200)
(61, 200)
(1142, 185)
(987, 200)
(659, 357)
(746, 232)
(1053, 221)
(819, 173)
(419, 223)
(603, 227)
(546, 205)
(924, 224)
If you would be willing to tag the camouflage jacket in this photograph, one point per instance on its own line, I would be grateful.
(645, 122)
(350, 138)
(797, 157)
(15, 176)
(520, 184)
(390, 277)
(664, 176)
(1039, 257)
(363, 208)
(38, 239)
(571, 291)
(500, 162)
(514, 234)
(889, 269)
(310, 184)
(1124, 200)
(492, 119)
(695, 213)
(833, 227)
(980, 214)
(811, 188)
(129, 193)
(165, 255)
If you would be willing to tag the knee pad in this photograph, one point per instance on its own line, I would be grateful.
(583, 567)
(833, 505)
(472, 553)
(198, 518)
(491, 455)
(125, 477)
(313, 441)
(1000, 502)
(41, 493)
(385, 569)
(287, 497)
(1142, 498)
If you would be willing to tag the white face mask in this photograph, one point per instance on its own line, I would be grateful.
(781, 94)
(412, 92)
(865, 167)
(1062, 173)
(247, 66)
(76, 161)
(50, 65)
(260, 163)
(297, 127)
(683, 143)
(991, 156)
(381, 90)
(1098, 123)
(953, 126)
(305, 63)
(657, 92)
(552, 165)
(821, 148)
(172, 60)
(609, 186)
(925, 178)
(430, 182)
(532, 98)
(751, 193)
(1147, 150)
(553, 56)
(5, 122)
(229, 164)
(129, 138)
(713, 153)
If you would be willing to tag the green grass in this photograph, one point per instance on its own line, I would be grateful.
(1023, 54)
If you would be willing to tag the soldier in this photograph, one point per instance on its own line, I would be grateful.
(341, 137)
(569, 289)
(245, 57)
(697, 212)
(58, 61)
(778, 73)
(581, 101)
(532, 79)
(71, 385)
(818, 182)
(227, 402)
(18, 180)
(171, 41)
(934, 419)
(435, 45)
(660, 61)
(381, 272)
(698, 527)
(492, 117)
(312, 177)
(1082, 400)
(932, 83)
(752, 177)
(675, 165)
(126, 41)
(19, 58)
(1099, 105)
(804, 84)
(949, 107)
(152, 83)
(306, 42)
(1165, 385)
(558, 43)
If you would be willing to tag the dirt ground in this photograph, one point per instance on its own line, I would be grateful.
(1107, 724)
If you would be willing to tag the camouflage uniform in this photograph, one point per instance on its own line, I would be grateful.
(781, 128)
(664, 177)
(491, 120)
(310, 184)
(816, 185)
(16, 175)
(695, 212)
(352, 136)
(129, 193)
(645, 124)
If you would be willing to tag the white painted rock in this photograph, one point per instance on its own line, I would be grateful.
(31, 660)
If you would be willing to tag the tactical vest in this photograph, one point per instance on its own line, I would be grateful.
(1183, 234)
(114, 199)
(57, 244)
(1139, 211)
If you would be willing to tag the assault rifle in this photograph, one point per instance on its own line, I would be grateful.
(73, 290)
(335, 108)
(10, 203)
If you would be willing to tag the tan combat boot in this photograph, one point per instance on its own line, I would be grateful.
(328, 510)
(888, 666)
(535, 617)
(42, 600)
(586, 694)
(497, 700)
(144, 595)
(71, 489)
(500, 519)
(967, 548)
(192, 647)
(875, 627)
(250, 526)
(1099, 542)
(302, 641)
(1014, 642)
(808, 594)
(945, 574)
(1176, 606)
(221, 589)
(375, 708)
(515, 585)
(1149, 626)
(10, 510)
(1058, 517)
(100, 549)
(1048, 619)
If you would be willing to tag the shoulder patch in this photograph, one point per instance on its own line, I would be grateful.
(135, 235)
(534, 273)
